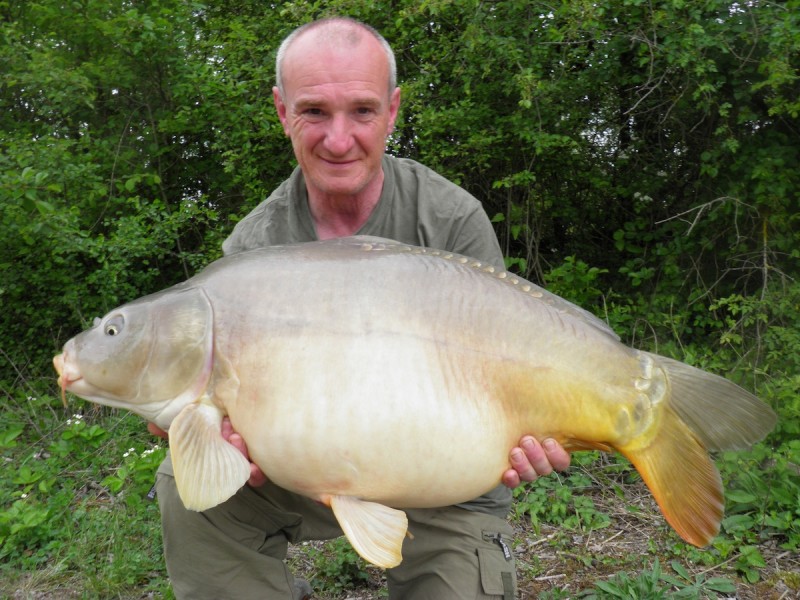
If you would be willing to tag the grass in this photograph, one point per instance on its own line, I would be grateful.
(76, 522)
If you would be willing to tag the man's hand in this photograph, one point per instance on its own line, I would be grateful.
(156, 430)
(257, 477)
(531, 460)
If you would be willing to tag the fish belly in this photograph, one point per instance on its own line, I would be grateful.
(412, 435)
(404, 420)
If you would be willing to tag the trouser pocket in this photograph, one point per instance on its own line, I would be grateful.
(497, 569)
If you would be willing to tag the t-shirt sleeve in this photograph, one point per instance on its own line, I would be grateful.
(283, 218)
(475, 237)
(247, 234)
(445, 215)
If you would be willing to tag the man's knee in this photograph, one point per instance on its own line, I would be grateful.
(234, 550)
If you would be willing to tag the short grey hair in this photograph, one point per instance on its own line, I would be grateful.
(341, 28)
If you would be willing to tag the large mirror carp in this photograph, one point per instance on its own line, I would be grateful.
(374, 376)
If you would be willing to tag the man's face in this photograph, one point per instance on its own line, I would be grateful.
(338, 111)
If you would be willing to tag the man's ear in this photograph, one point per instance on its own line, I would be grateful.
(394, 108)
(280, 106)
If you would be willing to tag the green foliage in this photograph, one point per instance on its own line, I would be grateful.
(99, 187)
(656, 585)
(576, 281)
(652, 584)
(338, 566)
(560, 499)
(763, 489)
(74, 503)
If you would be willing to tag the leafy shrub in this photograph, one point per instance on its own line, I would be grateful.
(338, 566)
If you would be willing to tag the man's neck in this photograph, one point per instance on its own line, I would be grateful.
(340, 216)
(339, 226)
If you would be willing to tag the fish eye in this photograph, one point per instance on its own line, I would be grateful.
(114, 325)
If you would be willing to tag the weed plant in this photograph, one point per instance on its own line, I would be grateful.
(654, 584)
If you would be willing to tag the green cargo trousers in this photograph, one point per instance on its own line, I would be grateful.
(236, 550)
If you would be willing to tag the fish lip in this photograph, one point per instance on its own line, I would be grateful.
(58, 363)
(67, 376)
(67, 373)
(65, 380)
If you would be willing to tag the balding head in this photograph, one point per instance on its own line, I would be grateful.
(339, 32)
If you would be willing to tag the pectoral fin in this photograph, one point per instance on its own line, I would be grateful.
(208, 470)
(375, 531)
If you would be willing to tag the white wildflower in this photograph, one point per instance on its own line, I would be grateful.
(149, 451)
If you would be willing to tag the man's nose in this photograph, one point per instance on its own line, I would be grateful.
(339, 135)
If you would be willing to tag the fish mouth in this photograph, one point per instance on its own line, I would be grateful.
(66, 375)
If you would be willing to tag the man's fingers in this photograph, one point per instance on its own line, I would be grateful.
(532, 459)
(227, 429)
(238, 442)
(558, 458)
(233, 438)
(511, 479)
(539, 463)
(156, 430)
(257, 477)
(522, 468)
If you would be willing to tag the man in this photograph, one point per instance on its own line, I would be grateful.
(337, 99)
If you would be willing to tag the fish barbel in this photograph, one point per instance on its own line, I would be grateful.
(374, 376)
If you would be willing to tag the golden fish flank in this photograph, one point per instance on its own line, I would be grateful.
(318, 351)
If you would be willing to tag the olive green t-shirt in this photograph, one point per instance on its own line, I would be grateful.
(417, 206)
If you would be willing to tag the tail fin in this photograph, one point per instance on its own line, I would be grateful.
(720, 413)
(683, 480)
(703, 412)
